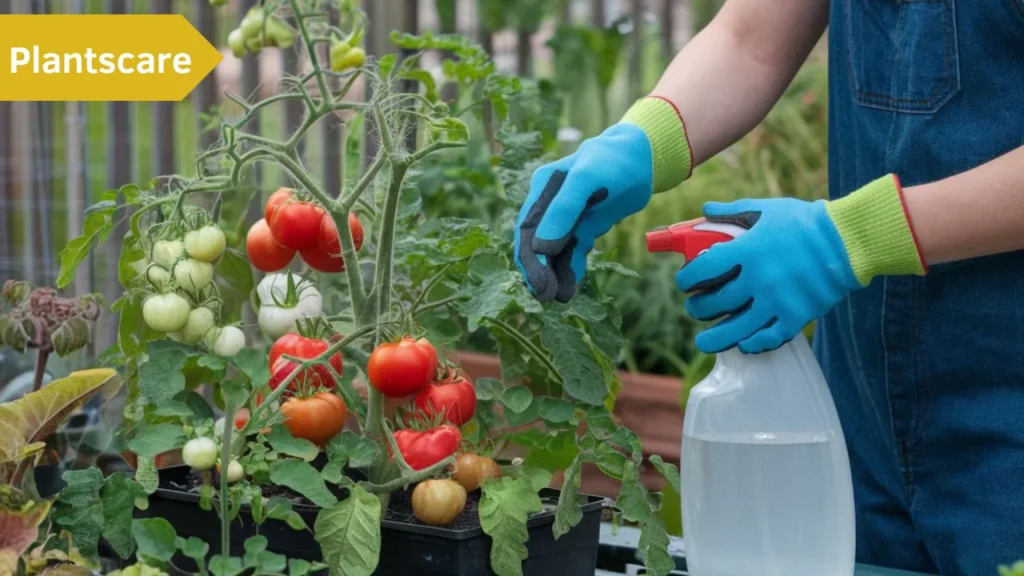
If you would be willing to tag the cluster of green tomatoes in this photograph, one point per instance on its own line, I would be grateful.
(183, 306)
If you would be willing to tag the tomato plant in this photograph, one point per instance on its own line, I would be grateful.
(412, 283)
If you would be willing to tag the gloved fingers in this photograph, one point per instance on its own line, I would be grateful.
(767, 339)
(579, 192)
(539, 275)
(570, 265)
(726, 301)
(743, 213)
(733, 330)
(711, 270)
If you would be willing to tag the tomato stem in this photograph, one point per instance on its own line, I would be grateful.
(411, 478)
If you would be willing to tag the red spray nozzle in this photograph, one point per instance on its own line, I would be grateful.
(691, 238)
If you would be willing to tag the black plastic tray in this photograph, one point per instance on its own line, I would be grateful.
(405, 548)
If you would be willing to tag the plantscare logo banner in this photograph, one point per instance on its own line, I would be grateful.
(107, 58)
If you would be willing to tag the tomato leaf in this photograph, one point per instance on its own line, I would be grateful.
(151, 440)
(505, 507)
(118, 497)
(146, 474)
(80, 510)
(279, 508)
(304, 479)
(161, 378)
(349, 534)
(99, 221)
(517, 398)
(253, 364)
(198, 405)
(667, 471)
(234, 279)
(539, 477)
(348, 447)
(488, 389)
(156, 539)
(635, 505)
(257, 556)
(568, 514)
(194, 548)
(494, 295)
(229, 566)
(572, 356)
(281, 439)
(556, 410)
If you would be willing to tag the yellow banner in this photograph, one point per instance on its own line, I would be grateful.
(102, 57)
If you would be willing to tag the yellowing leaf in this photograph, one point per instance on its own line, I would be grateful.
(34, 417)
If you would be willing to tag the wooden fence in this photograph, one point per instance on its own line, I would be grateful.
(57, 157)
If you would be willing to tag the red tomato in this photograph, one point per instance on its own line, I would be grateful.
(319, 260)
(276, 199)
(454, 396)
(264, 252)
(317, 419)
(329, 240)
(423, 342)
(401, 368)
(422, 449)
(241, 418)
(296, 225)
(314, 378)
(301, 347)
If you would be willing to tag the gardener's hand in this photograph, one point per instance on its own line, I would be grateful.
(577, 199)
(797, 261)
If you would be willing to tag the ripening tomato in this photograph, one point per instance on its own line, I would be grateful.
(424, 448)
(426, 345)
(302, 347)
(438, 502)
(296, 224)
(472, 470)
(326, 255)
(317, 419)
(265, 253)
(276, 199)
(401, 368)
(454, 397)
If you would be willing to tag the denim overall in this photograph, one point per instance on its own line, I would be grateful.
(928, 372)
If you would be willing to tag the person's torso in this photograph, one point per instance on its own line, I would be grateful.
(927, 89)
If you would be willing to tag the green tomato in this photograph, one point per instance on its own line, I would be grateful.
(218, 3)
(200, 453)
(199, 323)
(193, 275)
(235, 472)
(253, 45)
(166, 252)
(252, 24)
(338, 51)
(225, 341)
(206, 244)
(237, 43)
(278, 33)
(352, 58)
(165, 312)
(158, 276)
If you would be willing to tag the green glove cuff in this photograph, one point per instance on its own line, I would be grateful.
(670, 147)
(877, 231)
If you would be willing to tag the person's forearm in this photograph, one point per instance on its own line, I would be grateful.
(728, 77)
(972, 214)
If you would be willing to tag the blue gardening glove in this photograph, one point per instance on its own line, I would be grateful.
(797, 261)
(577, 199)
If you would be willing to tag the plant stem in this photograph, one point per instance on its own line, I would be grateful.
(525, 343)
(406, 479)
(41, 356)
(434, 147)
(325, 92)
(346, 203)
(225, 463)
(398, 456)
(439, 303)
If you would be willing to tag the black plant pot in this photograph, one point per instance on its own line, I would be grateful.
(406, 548)
(48, 479)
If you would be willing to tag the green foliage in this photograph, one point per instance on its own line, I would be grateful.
(304, 479)
(349, 534)
(505, 507)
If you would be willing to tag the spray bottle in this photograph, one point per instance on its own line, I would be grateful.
(765, 472)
